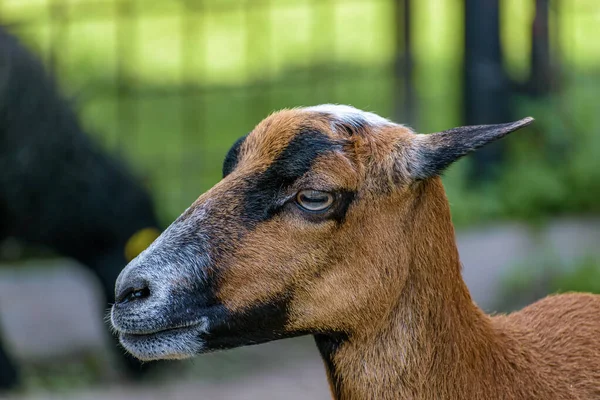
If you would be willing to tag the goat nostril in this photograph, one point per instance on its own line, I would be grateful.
(133, 293)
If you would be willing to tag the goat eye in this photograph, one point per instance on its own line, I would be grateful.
(314, 200)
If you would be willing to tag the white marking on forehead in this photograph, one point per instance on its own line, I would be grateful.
(350, 115)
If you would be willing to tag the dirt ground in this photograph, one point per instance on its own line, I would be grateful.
(50, 315)
(305, 380)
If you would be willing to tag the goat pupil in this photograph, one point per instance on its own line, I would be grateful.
(316, 199)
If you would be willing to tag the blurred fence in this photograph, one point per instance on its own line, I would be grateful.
(171, 84)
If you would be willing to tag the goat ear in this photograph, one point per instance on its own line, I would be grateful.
(231, 158)
(436, 151)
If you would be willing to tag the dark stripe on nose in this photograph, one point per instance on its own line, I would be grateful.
(292, 163)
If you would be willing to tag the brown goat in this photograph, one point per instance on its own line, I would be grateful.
(333, 222)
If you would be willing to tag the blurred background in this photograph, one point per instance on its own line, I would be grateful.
(157, 92)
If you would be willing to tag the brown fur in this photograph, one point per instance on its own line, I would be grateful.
(387, 280)
(436, 344)
(393, 283)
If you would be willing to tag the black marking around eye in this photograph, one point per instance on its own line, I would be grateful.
(293, 162)
(231, 159)
(338, 210)
(299, 155)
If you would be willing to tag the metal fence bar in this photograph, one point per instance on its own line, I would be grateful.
(126, 39)
(192, 99)
(405, 108)
(58, 26)
(324, 17)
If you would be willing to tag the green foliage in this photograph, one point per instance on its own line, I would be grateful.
(180, 142)
(540, 277)
(552, 167)
(584, 278)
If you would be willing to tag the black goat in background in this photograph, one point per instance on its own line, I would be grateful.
(57, 188)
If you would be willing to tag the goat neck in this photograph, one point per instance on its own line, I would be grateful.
(434, 343)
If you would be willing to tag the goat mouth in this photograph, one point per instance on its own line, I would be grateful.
(175, 342)
(190, 325)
